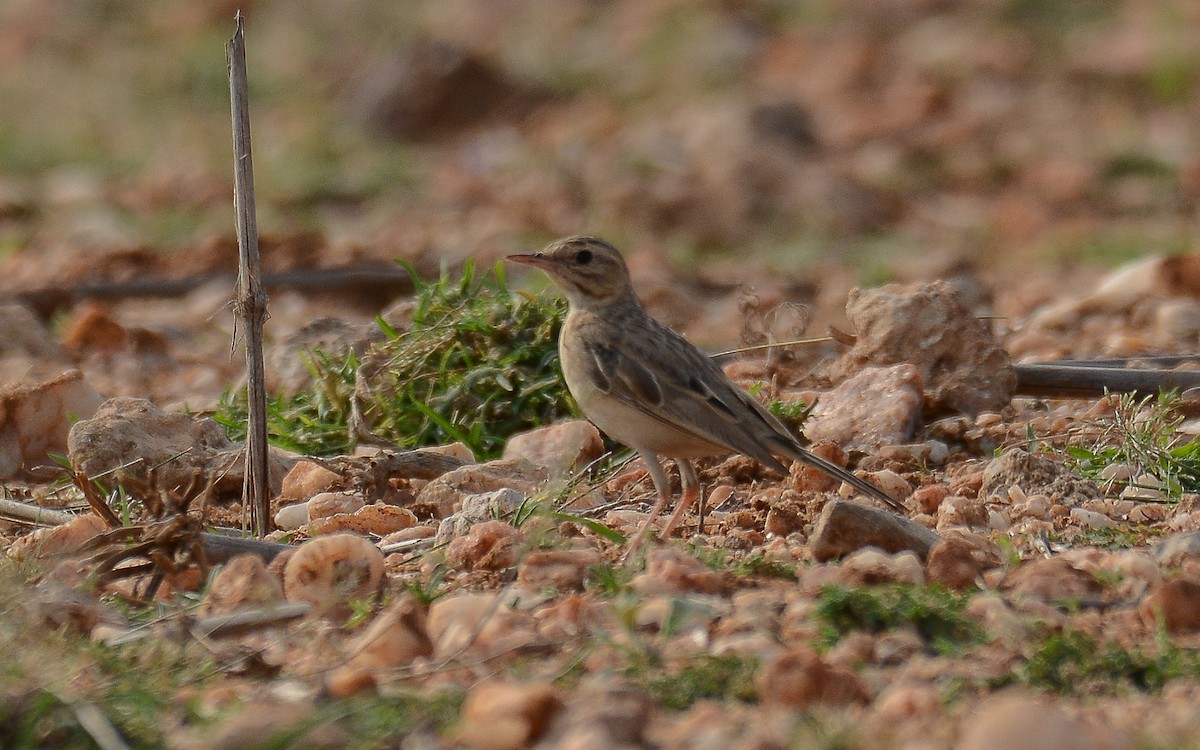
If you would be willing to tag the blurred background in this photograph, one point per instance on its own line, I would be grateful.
(882, 135)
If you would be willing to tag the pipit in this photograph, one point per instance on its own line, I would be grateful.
(648, 387)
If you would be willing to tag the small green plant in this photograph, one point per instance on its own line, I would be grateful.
(1142, 433)
(761, 566)
(934, 612)
(478, 363)
(754, 565)
(1073, 662)
(1117, 537)
(791, 413)
(609, 580)
(428, 591)
(704, 677)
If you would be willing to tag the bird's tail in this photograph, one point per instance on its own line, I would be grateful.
(838, 472)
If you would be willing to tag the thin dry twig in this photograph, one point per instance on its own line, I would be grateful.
(251, 301)
(1086, 380)
(32, 514)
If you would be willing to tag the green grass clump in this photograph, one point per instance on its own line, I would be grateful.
(1143, 434)
(704, 677)
(934, 612)
(478, 363)
(1074, 663)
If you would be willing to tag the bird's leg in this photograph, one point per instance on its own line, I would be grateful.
(691, 490)
(663, 486)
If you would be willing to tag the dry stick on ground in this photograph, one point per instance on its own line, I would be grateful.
(251, 302)
(1083, 380)
(357, 280)
(32, 514)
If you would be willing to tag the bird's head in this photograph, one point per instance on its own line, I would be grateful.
(589, 271)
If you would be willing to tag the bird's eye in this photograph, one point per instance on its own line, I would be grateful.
(583, 257)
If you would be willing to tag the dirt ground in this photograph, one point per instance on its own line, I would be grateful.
(756, 162)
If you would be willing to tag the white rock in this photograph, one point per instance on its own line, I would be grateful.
(1090, 519)
(292, 517)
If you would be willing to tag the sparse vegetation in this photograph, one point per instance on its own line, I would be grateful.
(703, 677)
(1141, 436)
(478, 363)
(1075, 663)
(935, 613)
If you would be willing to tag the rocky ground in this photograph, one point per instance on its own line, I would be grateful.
(1025, 178)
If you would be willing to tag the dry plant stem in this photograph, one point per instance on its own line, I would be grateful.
(1080, 380)
(98, 727)
(357, 280)
(32, 514)
(243, 621)
(98, 504)
(251, 302)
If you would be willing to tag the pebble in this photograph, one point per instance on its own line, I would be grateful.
(1025, 722)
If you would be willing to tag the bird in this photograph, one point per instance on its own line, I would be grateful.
(649, 388)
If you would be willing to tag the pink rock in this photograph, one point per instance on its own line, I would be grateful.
(332, 571)
(877, 406)
(1176, 603)
(36, 419)
(962, 365)
(560, 448)
(393, 639)
(799, 679)
(242, 582)
(307, 479)
(506, 715)
(561, 570)
(487, 546)
(1026, 722)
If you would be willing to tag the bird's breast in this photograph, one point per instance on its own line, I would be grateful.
(622, 421)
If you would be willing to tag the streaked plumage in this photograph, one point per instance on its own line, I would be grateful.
(648, 387)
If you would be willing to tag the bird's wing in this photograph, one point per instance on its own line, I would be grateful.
(685, 389)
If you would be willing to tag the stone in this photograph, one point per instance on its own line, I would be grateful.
(35, 420)
(845, 526)
(242, 582)
(291, 517)
(799, 679)
(307, 479)
(478, 508)
(369, 520)
(869, 567)
(557, 570)
(1035, 474)
(1177, 549)
(332, 571)
(55, 541)
(487, 546)
(131, 436)
(1174, 603)
(952, 563)
(507, 715)
(327, 504)
(1051, 580)
(671, 571)
(875, 407)
(1023, 721)
(1090, 519)
(393, 639)
(479, 624)
(961, 364)
(604, 713)
(447, 492)
(560, 448)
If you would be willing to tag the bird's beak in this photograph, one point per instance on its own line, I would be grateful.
(536, 260)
